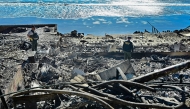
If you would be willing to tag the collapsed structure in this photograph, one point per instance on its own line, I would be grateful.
(90, 73)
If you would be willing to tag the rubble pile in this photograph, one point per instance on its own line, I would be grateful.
(6, 73)
(61, 74)
(58, 61)
(154, 63)
(151, 43)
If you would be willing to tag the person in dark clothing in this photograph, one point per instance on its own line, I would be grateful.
(127, 48)
(33, 36)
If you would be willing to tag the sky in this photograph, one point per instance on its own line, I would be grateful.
(98, 16)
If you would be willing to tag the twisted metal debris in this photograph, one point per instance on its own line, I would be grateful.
(66, 74)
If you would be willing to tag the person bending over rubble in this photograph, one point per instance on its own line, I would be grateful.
(33, 36)
(127, 48)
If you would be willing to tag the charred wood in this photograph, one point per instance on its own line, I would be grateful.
(127, 83)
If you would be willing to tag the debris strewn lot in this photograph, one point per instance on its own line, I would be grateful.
(65, 74)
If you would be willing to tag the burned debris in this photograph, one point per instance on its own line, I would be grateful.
(76, 35)
(89, 73)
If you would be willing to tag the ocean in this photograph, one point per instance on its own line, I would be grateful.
(98, 16)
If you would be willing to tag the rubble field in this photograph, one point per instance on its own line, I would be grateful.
(63, 73)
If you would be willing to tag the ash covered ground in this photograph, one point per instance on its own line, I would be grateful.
(56, 60)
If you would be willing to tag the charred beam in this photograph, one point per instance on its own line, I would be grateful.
(35, 98)
(94, 91)
(129, 103)
(126, 83)
(162, 72)
(125, 89)
(107, 106)
(116, 100)
(82, 90)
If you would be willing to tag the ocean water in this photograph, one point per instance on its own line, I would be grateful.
(98, 16)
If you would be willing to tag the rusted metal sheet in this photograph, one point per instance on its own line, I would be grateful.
(17, 82)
